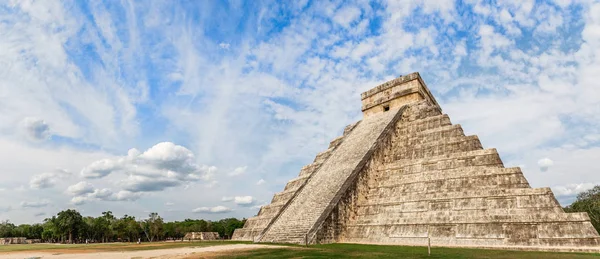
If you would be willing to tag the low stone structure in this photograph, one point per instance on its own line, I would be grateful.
(405, 175)
(201, 236)
(13, 240)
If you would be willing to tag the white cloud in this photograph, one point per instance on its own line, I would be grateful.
(100, 168)
(572, 189)
(169, 204)
(244, 200)
(105, 195)
(346, 15)
(545, 163)
(47, 180)
(80, 188)
(240, 200)
(224, 45)
(260, 182)
(39, 214)
(127, 196)
(42, 181)
(101, 194)
(238, 171)
(79, 200)
(160, 167)
(35, 204)
(215, 210)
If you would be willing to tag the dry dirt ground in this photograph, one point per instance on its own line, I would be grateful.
(172, 253)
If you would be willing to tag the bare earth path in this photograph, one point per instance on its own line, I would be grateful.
(170, 253)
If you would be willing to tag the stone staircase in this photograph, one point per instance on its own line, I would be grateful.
(256, 225)
(299, 221)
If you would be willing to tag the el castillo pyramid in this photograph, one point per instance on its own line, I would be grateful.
(405, 174)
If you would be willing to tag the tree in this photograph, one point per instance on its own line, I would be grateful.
(51, 232)
(6, 229)
(110, 220)
(88, 231)
(132, 229)
(36, 231)
(70, 226)
(69, 222)
(152, 226)
(588, 201)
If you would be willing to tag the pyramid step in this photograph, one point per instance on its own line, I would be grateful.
(480, 157)
(393, 177)
(258, 222)
(437, 148)
(507, 233)
(428, 211)
(284, 196)
(245, 234)
(422, 110)
(335, 142)
(348, 129)
(428, 136)
(404, 128)
(295, 183)
(321, 157)
(309, 169)
(507, 180)
(271, 210)
(466, 217)
(497, 193)
(276, 204)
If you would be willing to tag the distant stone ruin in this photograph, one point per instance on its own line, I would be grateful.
(201, 236)
(17, 240)
(405, 175)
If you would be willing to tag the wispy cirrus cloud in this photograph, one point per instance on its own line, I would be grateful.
(35, 204)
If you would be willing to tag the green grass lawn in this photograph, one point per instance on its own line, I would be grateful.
(107, 247)
(375, 251)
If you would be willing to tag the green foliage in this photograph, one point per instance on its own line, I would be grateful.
(6, 229)
(588, 201)
(70, 222)
(69, 226)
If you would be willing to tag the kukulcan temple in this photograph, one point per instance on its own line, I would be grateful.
(406, 175)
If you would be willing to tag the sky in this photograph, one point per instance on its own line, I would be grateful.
(205, 109)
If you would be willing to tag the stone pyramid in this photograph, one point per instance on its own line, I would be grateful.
(405, 173)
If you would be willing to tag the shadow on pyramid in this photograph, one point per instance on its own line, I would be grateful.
(404, 175)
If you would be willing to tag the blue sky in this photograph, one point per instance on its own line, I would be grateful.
(204, 109)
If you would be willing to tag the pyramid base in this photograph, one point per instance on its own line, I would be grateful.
(558, 249)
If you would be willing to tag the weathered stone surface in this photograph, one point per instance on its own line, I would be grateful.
(17, 240)
(201, 236)
(319, 193)
(406, 174)
(254, 226)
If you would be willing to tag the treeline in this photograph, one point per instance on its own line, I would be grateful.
(588, 201)
(69, 226)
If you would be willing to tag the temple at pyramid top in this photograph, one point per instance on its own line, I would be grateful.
(396, 93)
